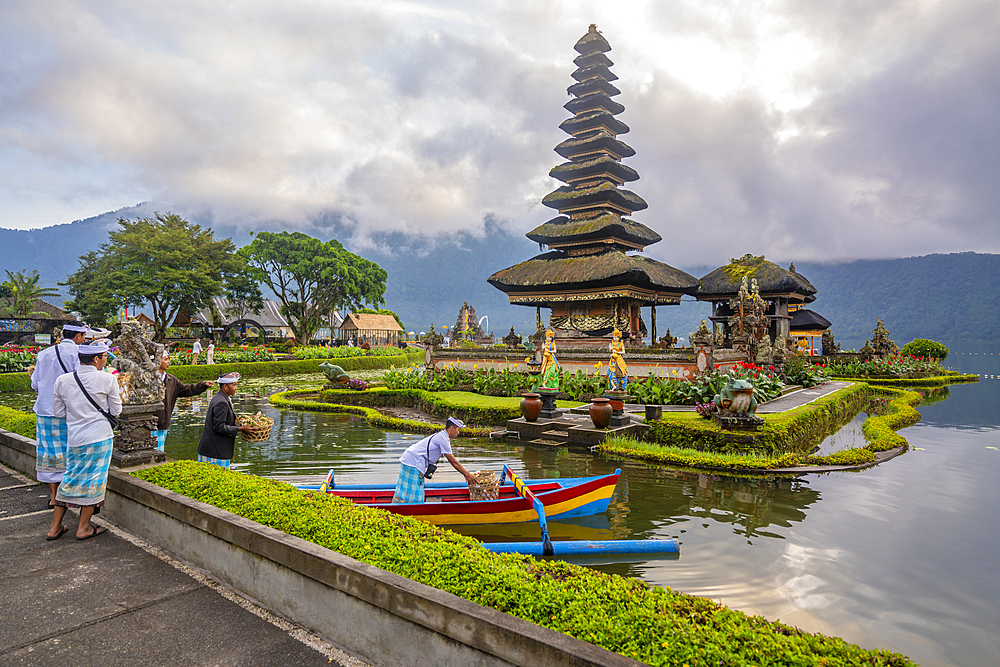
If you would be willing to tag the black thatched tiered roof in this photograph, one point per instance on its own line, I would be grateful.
(589, 240)
(772, 280)
(808, 320)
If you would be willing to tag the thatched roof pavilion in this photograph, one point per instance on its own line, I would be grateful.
(588, 279)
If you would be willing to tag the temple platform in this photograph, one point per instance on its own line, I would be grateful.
(574, 428)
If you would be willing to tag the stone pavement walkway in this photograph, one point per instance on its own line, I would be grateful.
(114, 600)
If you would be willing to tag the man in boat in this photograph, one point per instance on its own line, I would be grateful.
(418, 463)
(218, 438)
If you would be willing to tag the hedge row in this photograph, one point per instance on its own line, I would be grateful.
(655, 625)
(287, 400)
(15, 421)
(15, 382)
(935, 381)
(879, 431)
(423, 400)
(275, 368)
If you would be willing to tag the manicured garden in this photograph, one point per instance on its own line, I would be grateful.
(655, 625)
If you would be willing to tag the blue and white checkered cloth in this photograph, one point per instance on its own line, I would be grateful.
(161, 438)
(216, 462)
(409, 486)
(86, 475)
(50, 447)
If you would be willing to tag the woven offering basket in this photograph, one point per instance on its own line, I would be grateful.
(261, 427)
(487, 486)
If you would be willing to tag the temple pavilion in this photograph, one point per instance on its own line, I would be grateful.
(784, 290)
(589, 278)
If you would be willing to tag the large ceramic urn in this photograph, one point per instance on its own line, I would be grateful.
(601, 411)
(531, 406)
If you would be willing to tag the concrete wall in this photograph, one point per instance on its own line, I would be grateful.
(381, 617)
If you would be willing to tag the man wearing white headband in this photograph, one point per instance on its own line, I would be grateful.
(419, 461)
(87, 399)
(172, 390)
(218, 437)
(50, 452)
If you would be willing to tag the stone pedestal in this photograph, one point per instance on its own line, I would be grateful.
(133, 443)
(618, 417)
(549, 410)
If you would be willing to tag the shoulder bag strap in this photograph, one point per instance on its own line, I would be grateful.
(59, 357)
(107, 414)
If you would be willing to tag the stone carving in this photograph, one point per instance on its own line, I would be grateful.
(334, 374)
(829, 345)
(135, 363)
(880, 343)
(433, 338)
(512, 339)
(749, 323)
(702, 336)
(736, 406)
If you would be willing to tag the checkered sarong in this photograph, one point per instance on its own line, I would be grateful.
(216, 462)
(50, 445)
(409, 486)
(161, 438)
(86, 475)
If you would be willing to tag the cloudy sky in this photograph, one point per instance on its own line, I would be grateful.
(803, 130)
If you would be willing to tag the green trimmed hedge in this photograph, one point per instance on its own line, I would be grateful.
(934, 381)
(275, 368)
(286, 400)
(15, 421)
(655, 625)
(15, 382)
(879, 430)
(422, 400)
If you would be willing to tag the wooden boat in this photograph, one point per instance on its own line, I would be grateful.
(448, 503)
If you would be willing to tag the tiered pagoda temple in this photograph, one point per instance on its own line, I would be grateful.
(588, 278)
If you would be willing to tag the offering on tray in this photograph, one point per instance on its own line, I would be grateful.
(261, 424)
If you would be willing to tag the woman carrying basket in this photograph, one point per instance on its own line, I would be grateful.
(218, 437)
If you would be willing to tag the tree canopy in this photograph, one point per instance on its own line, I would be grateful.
(165, 261)
(312, 278)
(91, 297)
(19, 292)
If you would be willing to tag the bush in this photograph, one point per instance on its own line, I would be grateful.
(342, 352)
(15, 421)
(925, 349)
(653, 624)
(276, 368)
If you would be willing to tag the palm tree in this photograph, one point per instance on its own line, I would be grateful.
(21, 291)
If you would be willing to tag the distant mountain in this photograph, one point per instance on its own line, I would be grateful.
(952, 298)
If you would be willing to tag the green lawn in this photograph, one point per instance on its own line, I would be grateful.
(468, 399)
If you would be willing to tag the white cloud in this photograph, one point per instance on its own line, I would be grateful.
(801, 131)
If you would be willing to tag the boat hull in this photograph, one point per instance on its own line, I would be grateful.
(561, 499)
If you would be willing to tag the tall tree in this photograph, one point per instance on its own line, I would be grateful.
(243, 293)
(21, 291)
(93, 297)
(312, 278)
(165, 261)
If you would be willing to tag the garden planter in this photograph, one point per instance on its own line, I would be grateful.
(531, 406)
(600, 412)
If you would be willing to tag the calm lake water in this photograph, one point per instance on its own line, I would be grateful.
(903, 556)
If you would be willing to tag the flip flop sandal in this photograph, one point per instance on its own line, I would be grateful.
(58, 535)
(98, 530)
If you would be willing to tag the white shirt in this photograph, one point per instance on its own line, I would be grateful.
(427, 451)
(85, 425)
(47, 369)
(196, 348)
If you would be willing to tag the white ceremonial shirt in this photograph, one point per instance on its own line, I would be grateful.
(196, 348)
(85, 425)
(427, 451)
(47, 369)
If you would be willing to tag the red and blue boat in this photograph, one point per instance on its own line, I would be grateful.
(448, 503)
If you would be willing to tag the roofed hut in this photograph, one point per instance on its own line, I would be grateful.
(370, 328)
(588, 278)
(784, 290)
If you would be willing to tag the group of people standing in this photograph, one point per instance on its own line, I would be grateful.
(76, 406)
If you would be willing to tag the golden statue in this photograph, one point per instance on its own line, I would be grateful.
(550, 365)
(617, 370)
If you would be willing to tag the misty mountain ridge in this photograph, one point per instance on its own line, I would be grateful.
(953, 298)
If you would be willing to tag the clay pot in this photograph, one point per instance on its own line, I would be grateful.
(531, 406)
(600, 412)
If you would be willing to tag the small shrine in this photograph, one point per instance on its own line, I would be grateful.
(783, 291)
(588, 279)
(467, 325)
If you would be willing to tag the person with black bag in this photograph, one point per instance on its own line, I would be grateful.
(218, 436)
(50, 431)
(419, 462)
(90, 402)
